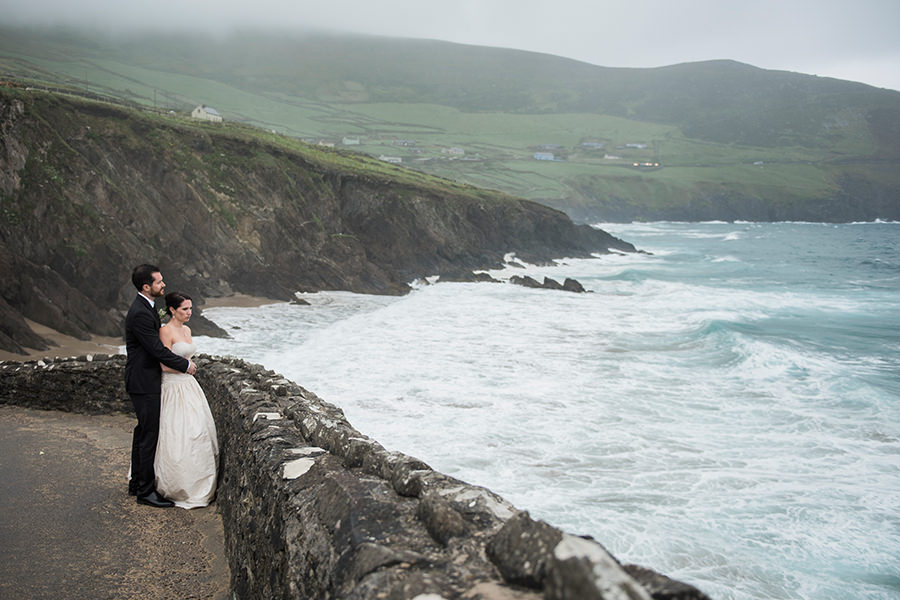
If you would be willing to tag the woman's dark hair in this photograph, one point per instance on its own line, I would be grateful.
(143, 274)
(175, 299)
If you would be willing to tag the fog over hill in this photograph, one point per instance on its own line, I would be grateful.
(801, 36)
(695, 141)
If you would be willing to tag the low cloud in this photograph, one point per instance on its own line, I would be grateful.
(855, 41)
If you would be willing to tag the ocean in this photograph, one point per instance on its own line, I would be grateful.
(724, 409)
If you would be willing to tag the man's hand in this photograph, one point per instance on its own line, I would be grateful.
(192, 368)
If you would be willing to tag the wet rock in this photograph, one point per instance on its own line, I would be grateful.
(526, 281)
(570, 285)
(551, 284)
(200, 325)
(467, 276)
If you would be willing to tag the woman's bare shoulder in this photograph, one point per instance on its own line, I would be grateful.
(166, 335)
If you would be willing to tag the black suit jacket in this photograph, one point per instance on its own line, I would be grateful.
(145, 350)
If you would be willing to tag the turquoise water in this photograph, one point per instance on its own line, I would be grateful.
(725, 410)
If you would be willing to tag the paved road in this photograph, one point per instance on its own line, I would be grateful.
(68, 529)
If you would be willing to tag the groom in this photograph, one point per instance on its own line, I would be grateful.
(143, 380)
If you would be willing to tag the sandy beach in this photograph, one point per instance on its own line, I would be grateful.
(69, 346)
(239, 301)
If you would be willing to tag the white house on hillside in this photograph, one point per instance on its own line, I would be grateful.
(206, 113)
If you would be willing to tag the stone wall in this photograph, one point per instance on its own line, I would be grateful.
(312, 508)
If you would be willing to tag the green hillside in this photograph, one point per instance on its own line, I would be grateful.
(714, 140)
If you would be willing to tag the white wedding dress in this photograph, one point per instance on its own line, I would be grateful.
(187, 454)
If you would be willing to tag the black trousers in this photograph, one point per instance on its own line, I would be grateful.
(143, 443)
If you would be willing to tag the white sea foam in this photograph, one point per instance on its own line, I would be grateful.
(735, 424)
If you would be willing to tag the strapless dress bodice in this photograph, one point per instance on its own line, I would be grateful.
(185, 349)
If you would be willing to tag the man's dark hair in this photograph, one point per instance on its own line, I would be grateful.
(174, 300)
(143, 274)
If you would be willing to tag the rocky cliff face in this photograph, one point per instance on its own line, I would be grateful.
(88, 190)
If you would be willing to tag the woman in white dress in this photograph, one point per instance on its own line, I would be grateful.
(187, 454)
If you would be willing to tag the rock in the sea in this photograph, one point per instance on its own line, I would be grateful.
(525, 280)
(551, 284)
(200, 325)
(467, 276)
(570, 285)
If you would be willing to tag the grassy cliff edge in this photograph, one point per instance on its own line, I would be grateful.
(89, 189)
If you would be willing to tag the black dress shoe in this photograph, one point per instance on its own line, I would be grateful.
(155, 500)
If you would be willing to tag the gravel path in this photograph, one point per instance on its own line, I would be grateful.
(68, 529)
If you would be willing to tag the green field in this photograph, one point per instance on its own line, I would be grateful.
(776, 136)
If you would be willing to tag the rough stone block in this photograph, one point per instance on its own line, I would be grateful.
(522, 548)
(583, 569)
(662, 587)
(440, 519)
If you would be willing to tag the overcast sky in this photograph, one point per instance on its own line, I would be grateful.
(857, 40)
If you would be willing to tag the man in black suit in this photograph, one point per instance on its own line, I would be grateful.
(143, 380)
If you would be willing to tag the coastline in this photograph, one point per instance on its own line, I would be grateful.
(65, 345)
(238, 301)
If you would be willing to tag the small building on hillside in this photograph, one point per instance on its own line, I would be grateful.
(544, 156)
(391, 159)
(206, 113)
(350, 141)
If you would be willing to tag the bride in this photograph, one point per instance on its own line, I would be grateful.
(187, 453)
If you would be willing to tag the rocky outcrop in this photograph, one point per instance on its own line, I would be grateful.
(312, 508)
(88, 190)
(568, 285)
(468, 276)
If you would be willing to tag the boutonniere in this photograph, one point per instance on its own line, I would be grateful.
(163, 313)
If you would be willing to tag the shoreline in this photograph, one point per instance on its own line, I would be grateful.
(65, 345)
(238, 301)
